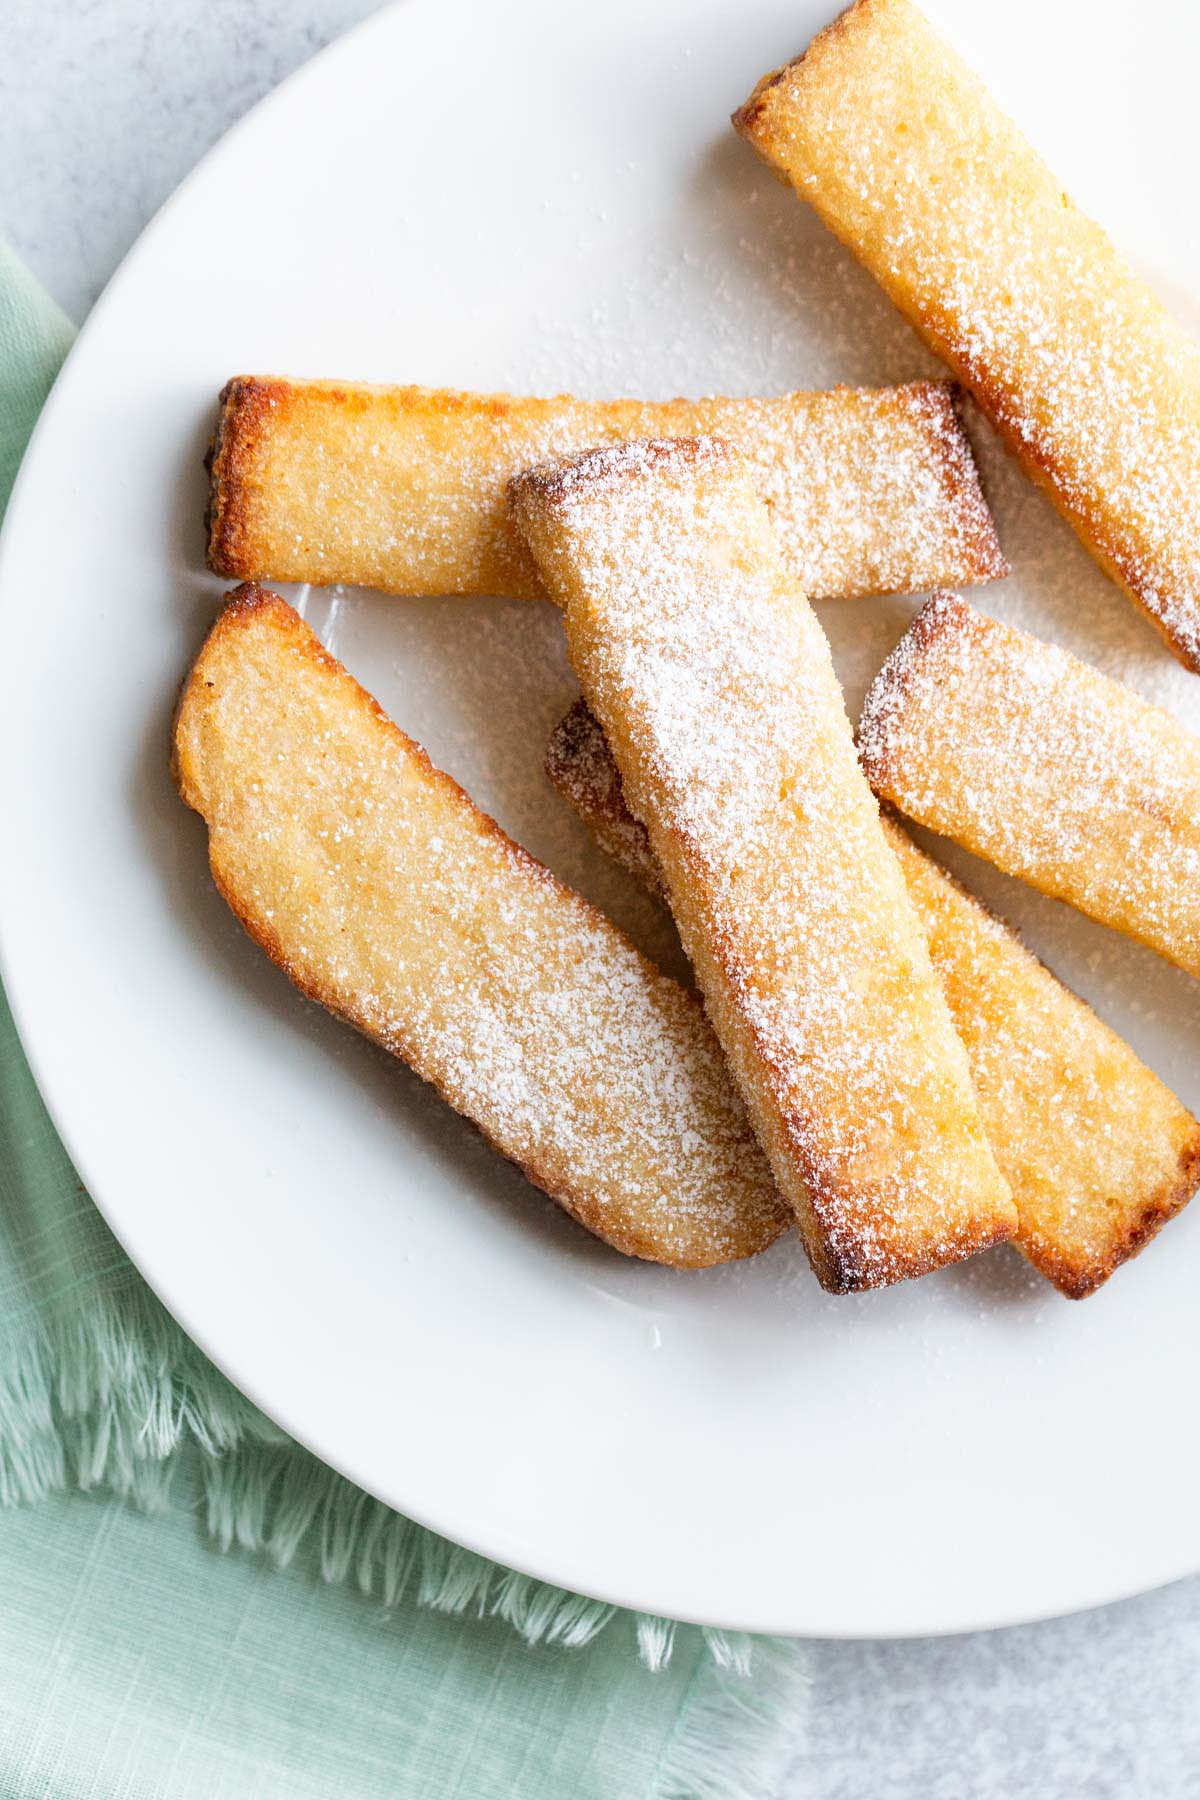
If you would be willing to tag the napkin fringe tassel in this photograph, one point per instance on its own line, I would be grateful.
(736, 1739)
(111, 1394)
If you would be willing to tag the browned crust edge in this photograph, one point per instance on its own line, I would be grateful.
(605, 814)
(553, 484)
(571, 742)
(842, 1272)
(984, 560)
(1078, 1280)
(244, 602)
(943, 615)
(243, 406)
(1031, 451)
(747, 117)
(1105, 547)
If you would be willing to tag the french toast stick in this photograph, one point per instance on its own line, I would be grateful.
(903, 152)
(1097, 1150)
(1047, 768)
(382, 891)
(873, 490)
(712, 679)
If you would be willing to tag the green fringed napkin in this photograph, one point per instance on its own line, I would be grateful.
(136, 1663)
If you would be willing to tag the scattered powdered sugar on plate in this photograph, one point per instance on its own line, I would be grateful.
(740, 291)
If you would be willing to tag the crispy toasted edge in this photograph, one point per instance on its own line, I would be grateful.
(940, 402)
(943, 616)
(243, 407)
(843, 1270)
(250, 601)
(1121, 565)
(548, 486)
(752, 119)
(1083, 1276)
(568, 766)
(1096, 528)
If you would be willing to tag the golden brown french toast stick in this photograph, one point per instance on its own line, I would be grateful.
(707, 668)
(1045, 767)
(874, 490)
(1098, 1152)
(383, 892)
(902, 151)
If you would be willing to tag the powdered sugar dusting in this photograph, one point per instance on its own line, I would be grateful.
(697, 652)
(389, 897)
(1054, 772)
(1098, 1151)
(904, 153)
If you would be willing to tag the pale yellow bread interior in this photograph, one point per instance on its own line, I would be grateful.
(905, 155)
(708, 670)
(383, 892)
(873, 490)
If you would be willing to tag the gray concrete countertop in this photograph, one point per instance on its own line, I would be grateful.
(104, 106)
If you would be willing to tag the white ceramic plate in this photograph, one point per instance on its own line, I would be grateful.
(541, 196)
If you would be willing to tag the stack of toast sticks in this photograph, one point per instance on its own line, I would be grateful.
(872, 1055)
